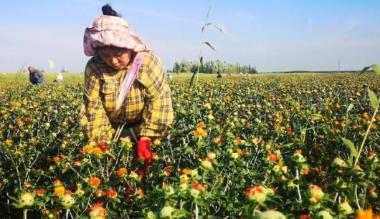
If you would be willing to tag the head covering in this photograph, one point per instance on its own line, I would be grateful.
(111, 31)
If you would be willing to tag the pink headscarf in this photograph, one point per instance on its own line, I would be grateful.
(111, 31)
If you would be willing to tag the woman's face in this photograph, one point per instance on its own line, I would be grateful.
(116, 58)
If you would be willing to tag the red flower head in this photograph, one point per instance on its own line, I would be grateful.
(103, 146)
(111, 193)
(273, 157)
(305, 216)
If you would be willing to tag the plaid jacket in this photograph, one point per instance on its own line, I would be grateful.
(147, 105)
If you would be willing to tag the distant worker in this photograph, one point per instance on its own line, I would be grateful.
(35, 76)
(170, 77)
(218, 75)
(59, 78)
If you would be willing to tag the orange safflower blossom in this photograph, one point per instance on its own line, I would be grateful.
(258, 193)
(200, 133)
(289, 130)
(198, 186)
(242, 152)
(9, 142)
(305, 216)
(94, 182)
(316, 193)
(372, 154)
(87, 149)
(238, 140)
(27, 184)
(305, 169)
(273, 157)
(186, 171)
(94, 150)
(168, 170)
(121, 171)
(59, 189)
(201, 125)
(256, 140)
(111, 193)
(103, 146)
(100, 193)
(298, 157)
(139, 192)
(68, 192)
(366, 214)
(98, 211)
(97, 151)
(40, 192)
(218, 140)
(372, 192)
(155, 156)
(280, 167)
(77, 163)
(56, 159)
(57, 182)
(196, 189)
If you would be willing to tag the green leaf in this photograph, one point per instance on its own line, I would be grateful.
(181, 213)
(350, 145)
(257, 120)
(374, 101)
(218, 27)
(376, 69)
(349, 108)
(365, 69)
(209, 10)
(316, 116)
(209, 45)
(206, 25)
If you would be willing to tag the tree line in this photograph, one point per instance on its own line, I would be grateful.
(211, 67)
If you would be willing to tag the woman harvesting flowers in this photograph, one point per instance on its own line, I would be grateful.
(124, 85)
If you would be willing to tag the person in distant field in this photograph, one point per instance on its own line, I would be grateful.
(169, 75)
(218, 75)
(35, 76)
(118, 54)
(59, 78)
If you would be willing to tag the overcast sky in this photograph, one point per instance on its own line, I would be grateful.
(273, 35)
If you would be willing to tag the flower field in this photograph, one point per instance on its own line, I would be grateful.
(263, 146)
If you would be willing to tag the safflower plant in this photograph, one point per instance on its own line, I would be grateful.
(258, 147)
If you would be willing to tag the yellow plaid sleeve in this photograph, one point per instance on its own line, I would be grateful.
(157, 115)
(93, 116)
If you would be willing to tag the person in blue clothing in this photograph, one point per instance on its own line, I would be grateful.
(35, 76)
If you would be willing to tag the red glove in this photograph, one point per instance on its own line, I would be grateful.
(143, 150)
